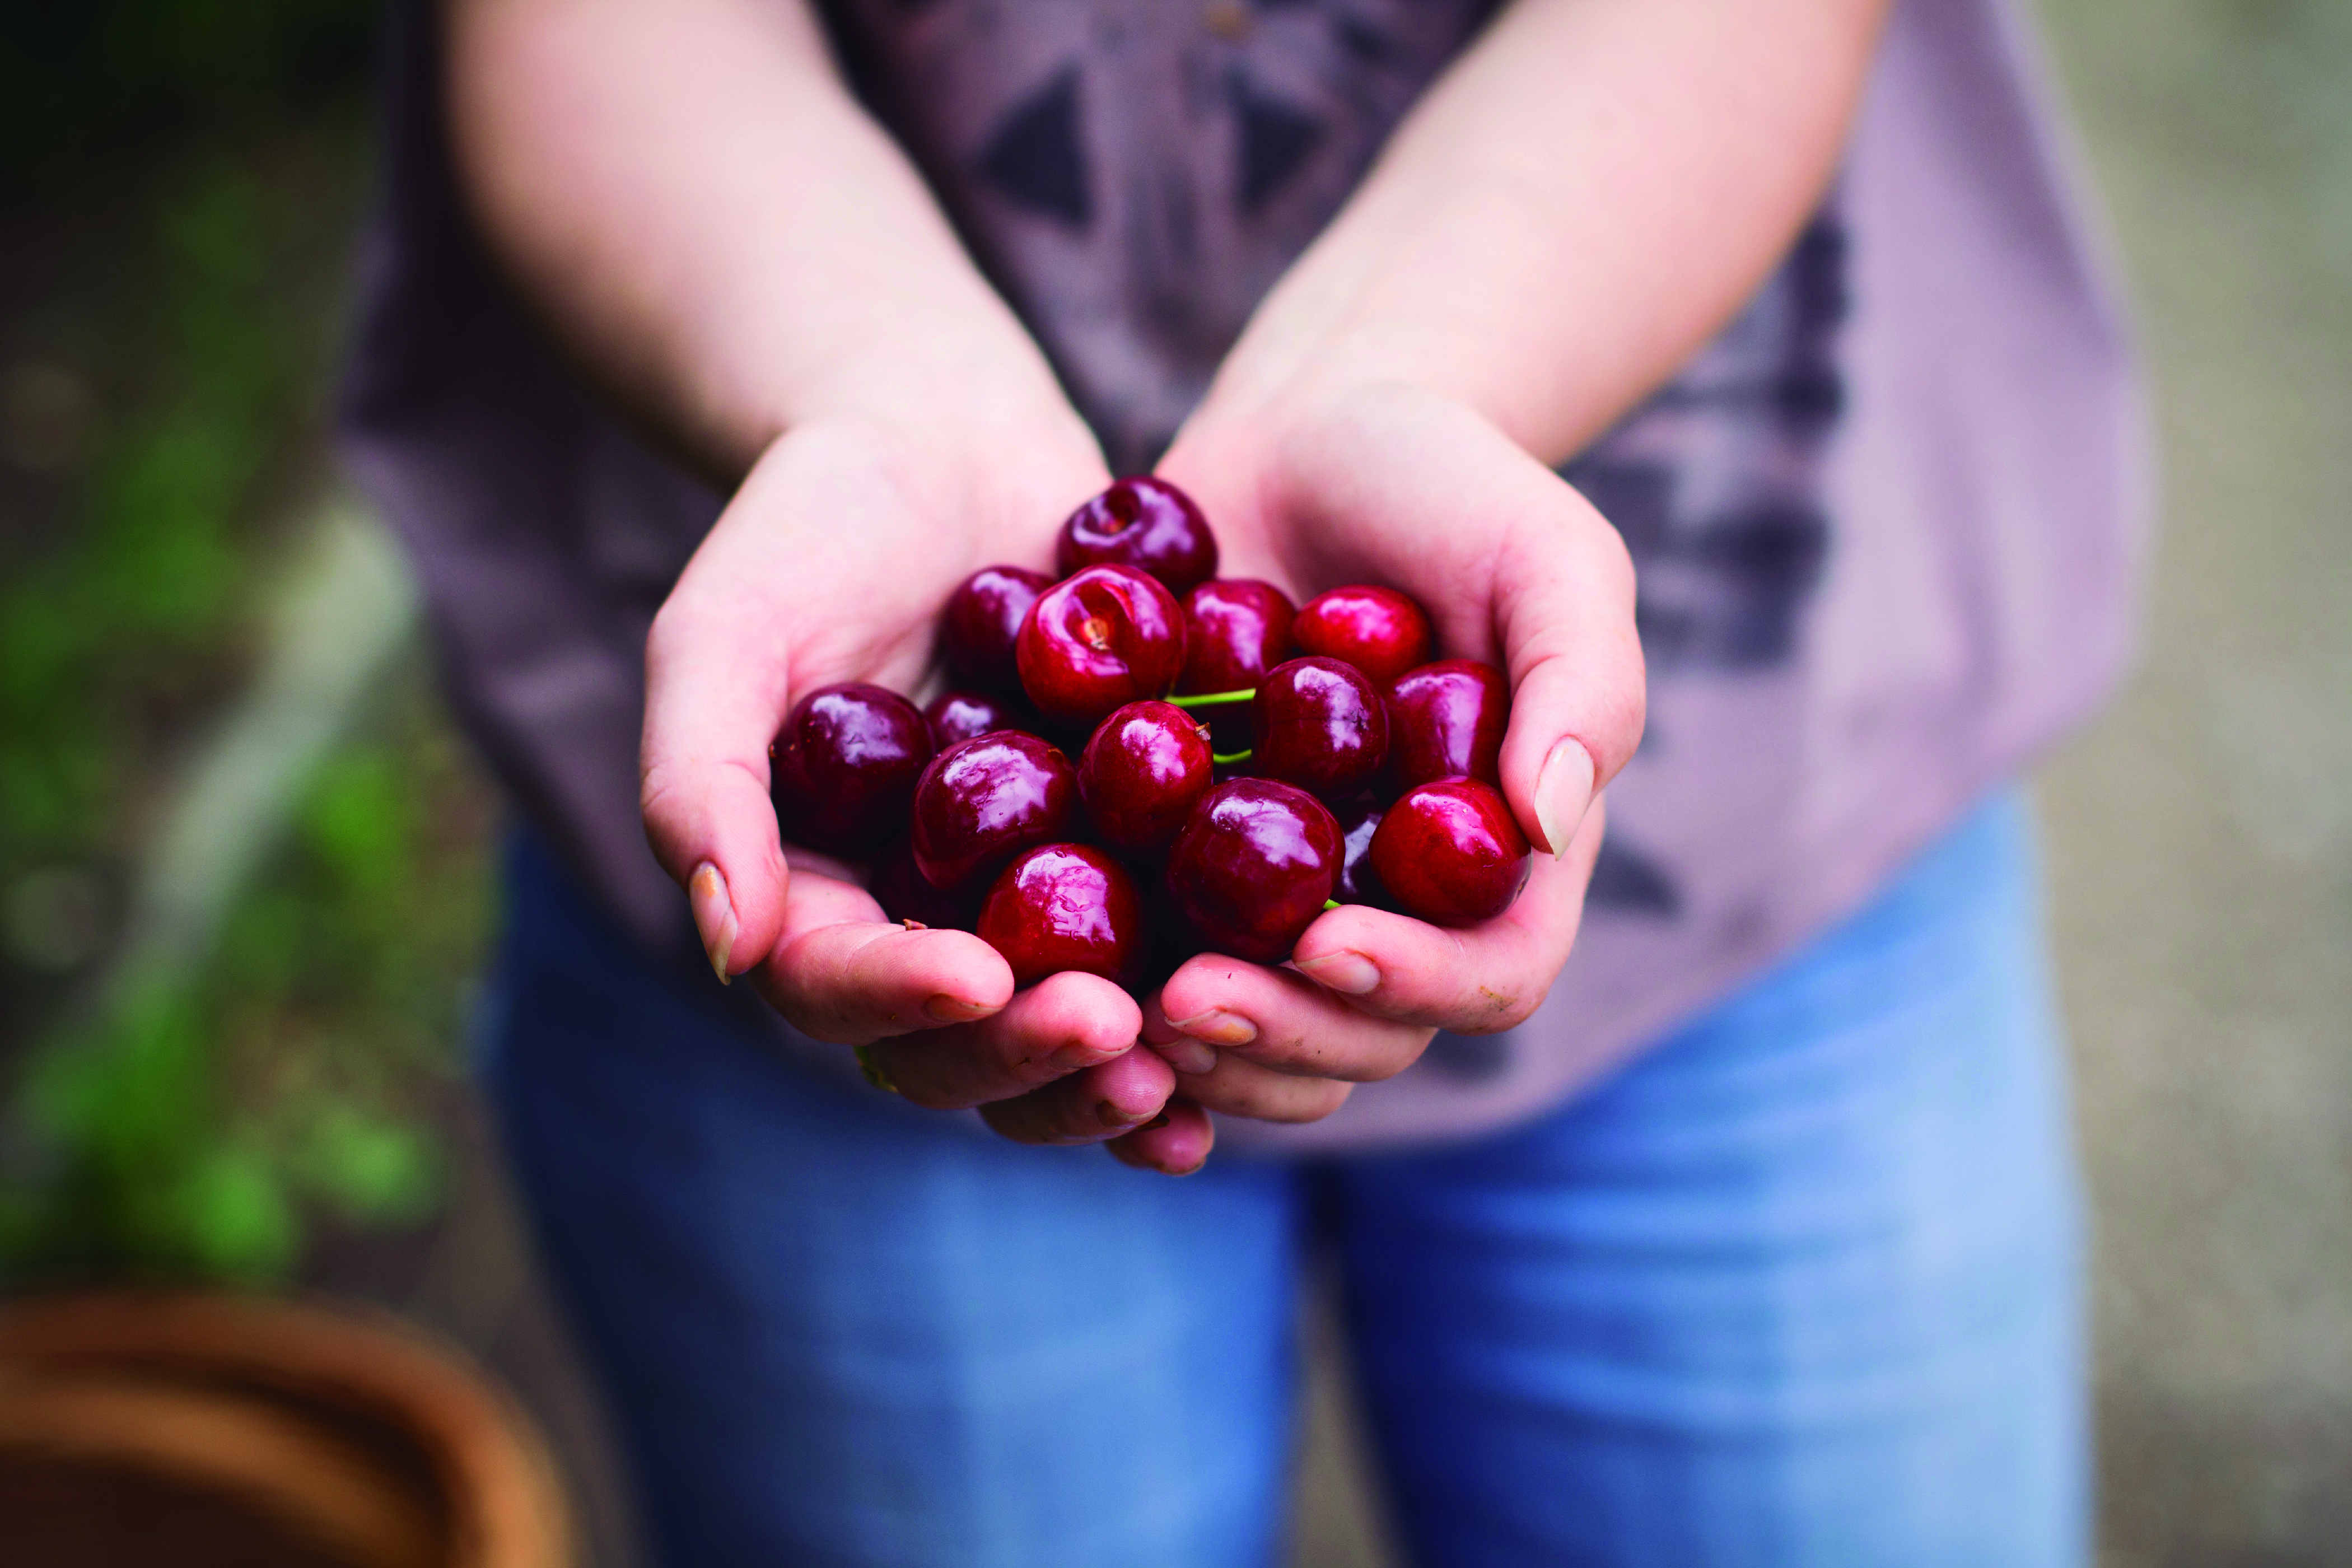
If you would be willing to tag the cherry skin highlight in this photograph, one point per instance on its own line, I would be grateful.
(1060, 907)
(1446, 720)
(958, 716)
(1108, 635)
(1143, 522)
(1449, 853)
(1358, 883)
(1252, 868)
(981, 619)
(904, 895)
(844, 767)
(1378, 630)
(1235, 629)
(1322, 725)
(984, 800)
(1140, 775)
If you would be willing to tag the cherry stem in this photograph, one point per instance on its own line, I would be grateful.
(1226, 759)
(1330, 903)
(1212, 699)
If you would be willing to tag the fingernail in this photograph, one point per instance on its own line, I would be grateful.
(946, 1009)
(1110, 1115)
(1071, 1057)
(1349, 973)
(714, 917)
(1189, 1057)
(1218, 1028)
(1563, 794)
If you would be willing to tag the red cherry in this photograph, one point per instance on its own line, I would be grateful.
(1235, 629)
(846, 764)
(984, 800)
(1320, 725)
(1252, 868)
(1358, 883)
(1446, 720)
(1062, 907)
(1141, 774)
(1108, 635)
(982, 619)
(1449, 852)
(1378, 630)
(1143, 522)
(957, 716)
(904, 895)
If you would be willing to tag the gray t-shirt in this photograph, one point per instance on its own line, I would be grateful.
(1887, 526)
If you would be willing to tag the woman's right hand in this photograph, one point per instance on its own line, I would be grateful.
(831, 564)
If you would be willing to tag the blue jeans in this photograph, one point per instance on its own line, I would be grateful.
(1800, 1286)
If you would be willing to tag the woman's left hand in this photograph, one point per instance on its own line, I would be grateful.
(1396, 486)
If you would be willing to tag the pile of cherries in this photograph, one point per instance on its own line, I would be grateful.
(1243, 764)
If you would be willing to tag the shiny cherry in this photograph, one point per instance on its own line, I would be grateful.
(984, 800)
(1358, 883)
(845, 767)
(1235, 629)
(904, 895)
(1450, 853)
(1378, 630)
(1320, 725)
(1144, 522)
(1108, 635)
(982, 619)
(1445, 720)
(1141, 774)
(1062, 907)
(1253, 866)
(957, 716)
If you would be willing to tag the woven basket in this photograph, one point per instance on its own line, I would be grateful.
(189, 1430)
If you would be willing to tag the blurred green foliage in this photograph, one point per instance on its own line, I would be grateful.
(82, 75)
(195, 170)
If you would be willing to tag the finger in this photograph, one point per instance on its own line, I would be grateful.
(1564, 617)
(1064, 1025)
(1087, 1106)
(1276, 1020)
(843, 975)
(1471, 980)
(717, 663)
(1236, 1086)
(1176, 1142)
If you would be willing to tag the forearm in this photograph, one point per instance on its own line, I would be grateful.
(690, 195)
(1586, 197)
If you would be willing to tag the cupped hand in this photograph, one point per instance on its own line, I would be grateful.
(1397, 486)
(831, 564)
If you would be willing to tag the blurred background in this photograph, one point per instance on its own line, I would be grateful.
(243, 856)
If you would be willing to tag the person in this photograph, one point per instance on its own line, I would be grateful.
(1743, 369)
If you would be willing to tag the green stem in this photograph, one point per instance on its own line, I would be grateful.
(1212, 699)
(1226, 759)
(1330, 903)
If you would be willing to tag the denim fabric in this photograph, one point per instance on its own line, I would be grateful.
(1799, 1287)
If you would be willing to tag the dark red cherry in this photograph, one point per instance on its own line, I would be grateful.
(845, 767)
(982, 619)
(1062, 907)
(984, 800)
(1320, 725)
(1235, 629)
(1358, 883)
(1378, 630)
(957, 716)
(1450, 853)
(904, 895)
(1144, 522)
(1108, 635)
(1445, 720)
(1141, 774)
(1252, 868)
